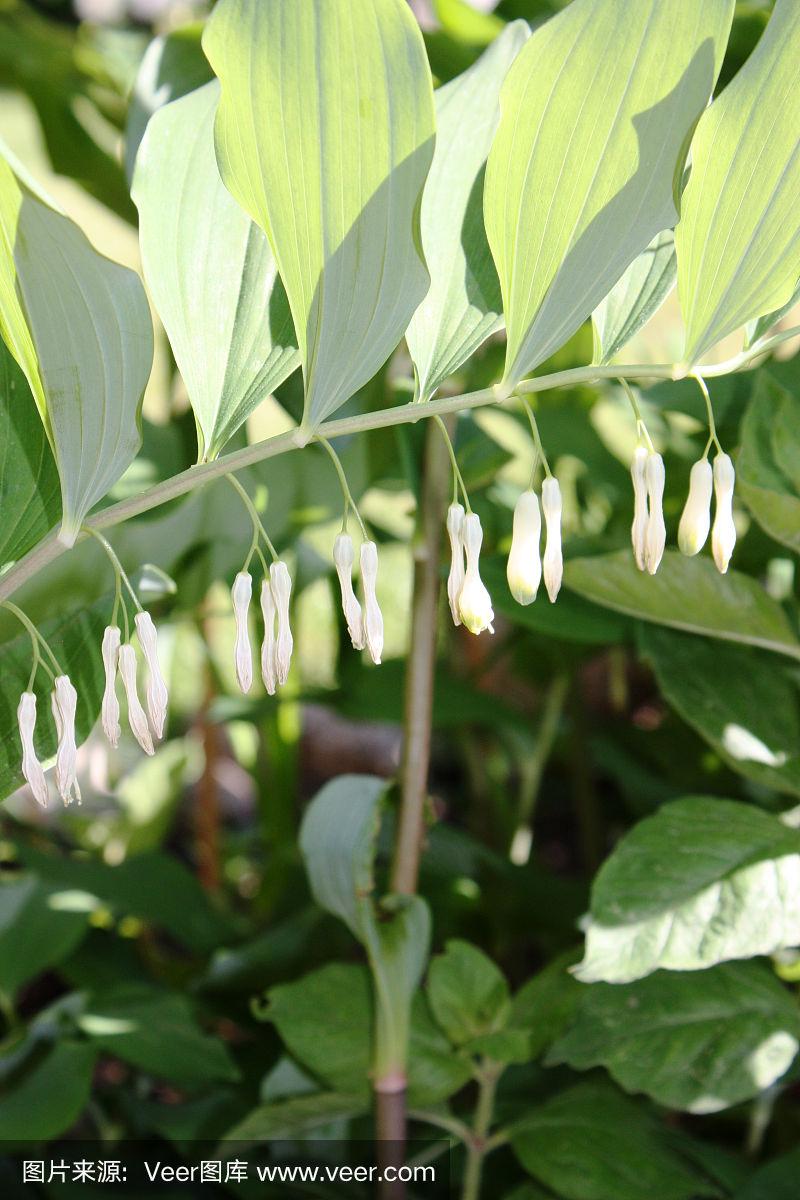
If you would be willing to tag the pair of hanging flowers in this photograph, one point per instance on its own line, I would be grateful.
(648, 531)
(118, 659)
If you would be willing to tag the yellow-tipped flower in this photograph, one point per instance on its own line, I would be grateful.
(723, 535)
(524, 568)
(474, 601)
(696, 517)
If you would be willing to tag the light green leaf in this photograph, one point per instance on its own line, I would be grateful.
(467, 993)
(700, 882)
(38, 929)
(327, 145)
(172, 65)
(591, 1143)
(79, 326)
(597, 112)
(771, 497)
(632, 301)
(210, 272)
(337, 840)
(754, 330)
(463, 306)
(699, 1041)
(738, 240)
(753, 721)
(29, 489)
(156, 1032)
(296, 1117)
(688, 594)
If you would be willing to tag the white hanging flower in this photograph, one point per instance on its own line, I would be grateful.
(240, 594)
(723, 535)
(524, 569)
(31, 767)
(157, 695)
(268, 667)
(656, 531)
(474, 601)
(64, 701)
(373, 618)
(639, 526)
(281, 583)
(553, 560)
(343, 556)
(136, 714)
(455, 580)
(696, 517)
(110, 706)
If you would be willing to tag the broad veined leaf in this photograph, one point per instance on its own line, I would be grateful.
(771, 497)
(50, 1093)
(327, 145)
(755, 330)
(172, 65)
(597, 112)
(296, 1117)
(79, 326)
(752, 721)
(738, 240)
(777, 1180)
(468, 993)
(700, 882)
(700, 1041)
(463, 306)
(337, 840)
(39, 927)
(29, 488)
(210, 271)
(632, 301)
(688, 594)
(592, 1143)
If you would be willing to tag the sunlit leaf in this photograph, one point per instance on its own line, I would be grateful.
(699, 1040)
(688, 594)
(327, 145)
(463, 306)
(210, 272)
(701, 882)
(738, 240)
(632, 301)
(596, 116)
(79, 326)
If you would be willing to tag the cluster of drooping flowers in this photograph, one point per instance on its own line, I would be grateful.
(469, 599)
(648, 531)
(277, 643)
(118, 657)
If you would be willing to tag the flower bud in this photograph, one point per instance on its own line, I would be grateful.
(31, 767)
(639, 526)
(281, 584)
(723, 535)
(240, 594)
(268, 668)
(343, 559)
(110, 707)
(373, 618)
(696, 517)
(553, 561)
(64, 702)
(455, 579)
(474, 601)
(157, 695)
(136, 714)
(524, 568)
(656, 531)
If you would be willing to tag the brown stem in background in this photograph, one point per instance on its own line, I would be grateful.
(390, 1093)
(434, 495)
(206, 810)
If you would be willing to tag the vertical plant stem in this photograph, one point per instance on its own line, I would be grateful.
(476, 1151)
(206, 812)
(548, 729)
(421, 659)
(390, 1091)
